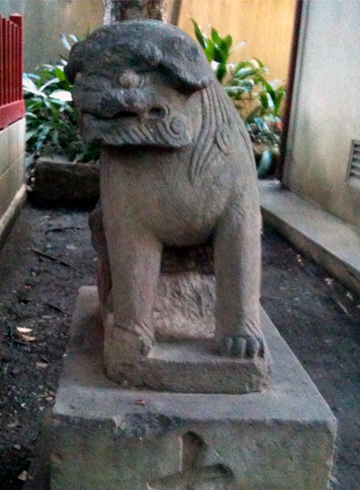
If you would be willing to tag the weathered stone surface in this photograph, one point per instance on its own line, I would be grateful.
(184, 306)
(104, 436)
(177, 168)
(192, 367)
(57, 180)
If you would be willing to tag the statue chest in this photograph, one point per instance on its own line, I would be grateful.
(155, 188)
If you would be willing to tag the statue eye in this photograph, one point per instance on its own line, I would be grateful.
(92, 82)
(130, 79)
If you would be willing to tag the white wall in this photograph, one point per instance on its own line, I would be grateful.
(326, 108)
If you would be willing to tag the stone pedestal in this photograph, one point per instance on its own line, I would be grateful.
(104, 436)
(185, 357)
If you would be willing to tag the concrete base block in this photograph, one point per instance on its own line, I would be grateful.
(196, 367)
(107, 437)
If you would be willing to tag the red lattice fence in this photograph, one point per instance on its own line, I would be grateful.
(12, 105)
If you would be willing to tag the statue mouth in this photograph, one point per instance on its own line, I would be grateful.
(159, 112)
(156, 113)
(121, 115)
(155, 127)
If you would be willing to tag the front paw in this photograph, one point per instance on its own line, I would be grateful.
(131, 346)
(243, 347)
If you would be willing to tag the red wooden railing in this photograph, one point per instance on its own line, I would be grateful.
(12, 105)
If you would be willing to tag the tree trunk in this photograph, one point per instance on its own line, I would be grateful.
(118, 10)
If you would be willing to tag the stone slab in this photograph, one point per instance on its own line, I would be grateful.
(105, 436)
(58, 180)
(8, 219)
(196, 367)
(313, 231)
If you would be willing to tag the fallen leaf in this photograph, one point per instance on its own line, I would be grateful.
(27, 338)
(23, 476)
(140, 402)
(24, 329)
(342, 306)
(42, 365)
(17, 446)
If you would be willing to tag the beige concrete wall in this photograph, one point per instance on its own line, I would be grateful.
(12, 151)
(326, 109)
(265, 25)
(46, 20)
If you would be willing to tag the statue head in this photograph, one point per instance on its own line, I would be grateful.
(134, 83)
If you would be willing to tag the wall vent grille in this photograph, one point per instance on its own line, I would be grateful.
(354, 161)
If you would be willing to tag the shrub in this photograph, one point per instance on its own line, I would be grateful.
(244, 81)
(52, 122)
(257, 100)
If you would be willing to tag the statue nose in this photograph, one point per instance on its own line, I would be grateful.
(130, 79)
(133, 101)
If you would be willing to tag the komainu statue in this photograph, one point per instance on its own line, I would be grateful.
(176, 168)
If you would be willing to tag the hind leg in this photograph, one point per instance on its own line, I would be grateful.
(237, 272)
(102, 266)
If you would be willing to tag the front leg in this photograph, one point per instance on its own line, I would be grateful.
(237, 272)
(135, 257)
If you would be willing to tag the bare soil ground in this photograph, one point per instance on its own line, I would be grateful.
(48, 256)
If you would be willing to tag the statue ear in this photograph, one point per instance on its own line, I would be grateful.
(147, 51)
(78, 54)
(70, 71)
(187, 64)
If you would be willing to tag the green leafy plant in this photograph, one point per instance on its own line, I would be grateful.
(242, 81)
(216, 49)
(257, 100)
(52, 122)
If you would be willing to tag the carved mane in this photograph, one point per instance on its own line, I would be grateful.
(220, 129)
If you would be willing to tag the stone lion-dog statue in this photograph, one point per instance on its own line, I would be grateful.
(176, 168)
